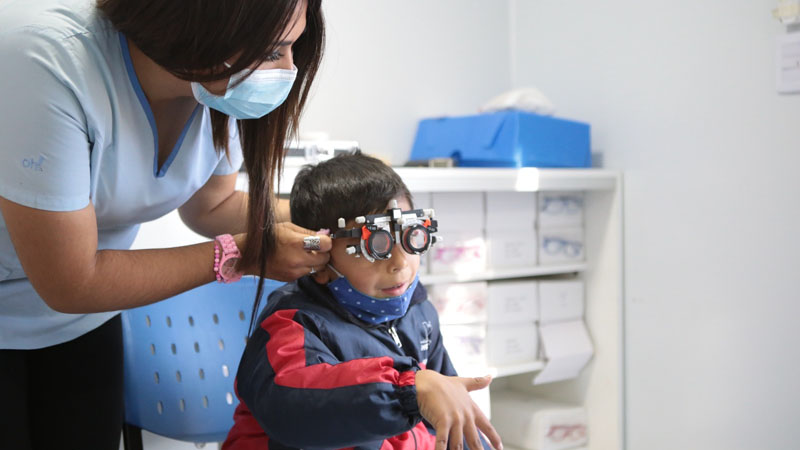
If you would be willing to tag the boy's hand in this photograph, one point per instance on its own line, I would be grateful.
(445, 403)
(291, 259)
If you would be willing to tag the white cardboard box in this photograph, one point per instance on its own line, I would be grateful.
(559, 209)
(460, 302)
(527, 422)
(560, 300)
(458, 211)
(510, 211)
(511, 249)
(511, 343)
(513, 301)
(466, 345)
(561, 245)
(459, 252)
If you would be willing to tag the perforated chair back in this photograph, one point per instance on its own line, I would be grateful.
(181, 357)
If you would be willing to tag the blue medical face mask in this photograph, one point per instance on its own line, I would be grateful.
(367, 308)
(255, 97)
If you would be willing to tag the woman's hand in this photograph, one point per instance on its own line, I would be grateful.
(445, 403)
(291, 259)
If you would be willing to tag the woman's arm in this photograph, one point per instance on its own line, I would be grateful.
(219, 208)
(282, 213)
(58, 252)
(216, 208)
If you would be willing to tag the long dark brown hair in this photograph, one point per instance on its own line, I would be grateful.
(192, 39)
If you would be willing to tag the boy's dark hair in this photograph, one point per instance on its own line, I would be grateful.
(347, 185)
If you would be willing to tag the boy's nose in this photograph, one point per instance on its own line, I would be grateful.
(399, 260)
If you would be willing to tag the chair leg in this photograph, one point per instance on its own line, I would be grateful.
(132, 437)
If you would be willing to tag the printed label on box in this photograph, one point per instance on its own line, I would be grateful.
(459, 253)
(561, 245)
(466, 345)
(511, 249)
(560, 209)
(513, 301)
(511, 343)
(460, 302)
(560, 300)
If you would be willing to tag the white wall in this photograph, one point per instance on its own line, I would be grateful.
(681, 96)
(389, 64)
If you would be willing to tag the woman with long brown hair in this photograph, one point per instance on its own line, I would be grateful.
(113, 113)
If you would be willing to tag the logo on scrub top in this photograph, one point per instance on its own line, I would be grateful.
(30, 163)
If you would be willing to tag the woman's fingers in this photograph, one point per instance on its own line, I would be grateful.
(319, 241)
(292, 258)
(319, 260)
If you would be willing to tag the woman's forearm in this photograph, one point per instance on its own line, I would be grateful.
(121, 279)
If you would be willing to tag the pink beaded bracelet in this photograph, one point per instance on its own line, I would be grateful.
(216, 262)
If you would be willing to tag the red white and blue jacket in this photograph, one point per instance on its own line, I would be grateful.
(314, 377)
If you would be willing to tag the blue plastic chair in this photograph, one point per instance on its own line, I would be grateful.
(181, 357)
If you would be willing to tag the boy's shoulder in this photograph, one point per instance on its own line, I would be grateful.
(294, 295)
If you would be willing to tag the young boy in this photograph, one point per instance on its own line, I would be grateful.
(350, 356)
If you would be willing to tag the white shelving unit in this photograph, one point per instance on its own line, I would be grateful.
(504, 274)
(600, 386)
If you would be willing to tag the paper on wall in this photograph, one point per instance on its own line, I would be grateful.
(567, 349)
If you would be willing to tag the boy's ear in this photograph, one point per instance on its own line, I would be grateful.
(323, 276)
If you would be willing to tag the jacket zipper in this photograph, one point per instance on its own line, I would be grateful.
(393, 333)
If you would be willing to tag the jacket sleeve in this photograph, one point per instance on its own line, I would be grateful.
(302, 396)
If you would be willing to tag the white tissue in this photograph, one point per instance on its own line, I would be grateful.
(523, 99)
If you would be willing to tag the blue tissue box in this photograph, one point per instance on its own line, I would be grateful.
(504, 139)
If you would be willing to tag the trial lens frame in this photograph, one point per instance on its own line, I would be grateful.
(378, 233)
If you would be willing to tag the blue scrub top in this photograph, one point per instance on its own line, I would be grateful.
(75, 127)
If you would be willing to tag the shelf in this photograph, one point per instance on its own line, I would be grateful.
(501, 371)
(503, 273)
(468, 179)
(516, 369)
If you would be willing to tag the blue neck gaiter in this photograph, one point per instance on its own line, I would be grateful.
(367, 308)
